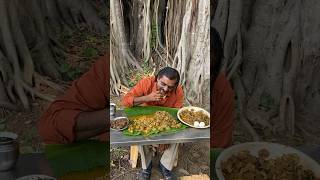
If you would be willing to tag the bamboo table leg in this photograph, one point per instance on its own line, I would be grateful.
(175, 164)
(134, 156)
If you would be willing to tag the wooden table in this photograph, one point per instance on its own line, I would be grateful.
(187, 135)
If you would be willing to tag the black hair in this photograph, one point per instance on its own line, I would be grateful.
(216, 54)
(170, 73)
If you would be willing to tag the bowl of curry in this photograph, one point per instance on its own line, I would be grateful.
(119, 123)
(264, 160)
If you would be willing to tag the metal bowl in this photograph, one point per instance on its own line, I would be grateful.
(113, 109)
(9, 150)
(117, 118)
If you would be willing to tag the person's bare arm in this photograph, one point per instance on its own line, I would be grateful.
(80, 135)
(154, 96)
(81, 112)
(89, 124)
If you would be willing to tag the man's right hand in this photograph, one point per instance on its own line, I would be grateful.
(154, 96)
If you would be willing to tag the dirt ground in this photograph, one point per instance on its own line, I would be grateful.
(193, 158)
(24, 124)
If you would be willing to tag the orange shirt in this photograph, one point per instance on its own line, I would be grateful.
(222, 113)
(148, 85)
(88, 93)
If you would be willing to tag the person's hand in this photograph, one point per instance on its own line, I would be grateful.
(163, 147)
(154, 96)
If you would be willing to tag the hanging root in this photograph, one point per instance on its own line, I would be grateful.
(121, 56)
(192, 55)
(241, 106)
(287, 113)
(43, 80)
(35, 92)
(26, 53)
(147, 31)
(237, 59)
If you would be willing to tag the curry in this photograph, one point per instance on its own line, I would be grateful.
(191, 116)
(158, 122)
(246, 166)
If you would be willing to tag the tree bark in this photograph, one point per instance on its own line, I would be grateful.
(27, 43)
(275, 48)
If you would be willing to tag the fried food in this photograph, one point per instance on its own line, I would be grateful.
(163, 96)
(248, 167)
(191, 116)
(158, 122)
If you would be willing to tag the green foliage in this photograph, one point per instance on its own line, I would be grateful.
(135, 76)
(68, 72)
(90, 52)
(214, 154)
(91, 39)
(78, 156)
(146, 69)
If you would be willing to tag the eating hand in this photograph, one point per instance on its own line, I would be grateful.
(154, 96)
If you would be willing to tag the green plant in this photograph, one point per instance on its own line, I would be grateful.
(90, 52)
(91, 39)
(68, 72)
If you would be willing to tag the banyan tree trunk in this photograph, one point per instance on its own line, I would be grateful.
(175, 31)
(271, 54)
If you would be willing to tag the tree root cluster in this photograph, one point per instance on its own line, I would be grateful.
(183, 45)
(267, 58)
(28, 47)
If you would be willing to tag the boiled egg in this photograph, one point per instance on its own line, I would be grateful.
(196, 124)
(201, 124)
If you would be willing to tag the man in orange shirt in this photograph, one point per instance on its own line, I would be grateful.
(221, 104)
(160, 90)
(222, 97)
(80, 113)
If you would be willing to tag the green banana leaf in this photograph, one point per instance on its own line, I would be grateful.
(147, 110)
(79, 156)
(214, 154)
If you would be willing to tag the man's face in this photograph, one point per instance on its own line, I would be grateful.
(165, 85)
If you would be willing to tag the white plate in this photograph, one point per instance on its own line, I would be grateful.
(195, 109)
(275, 150)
